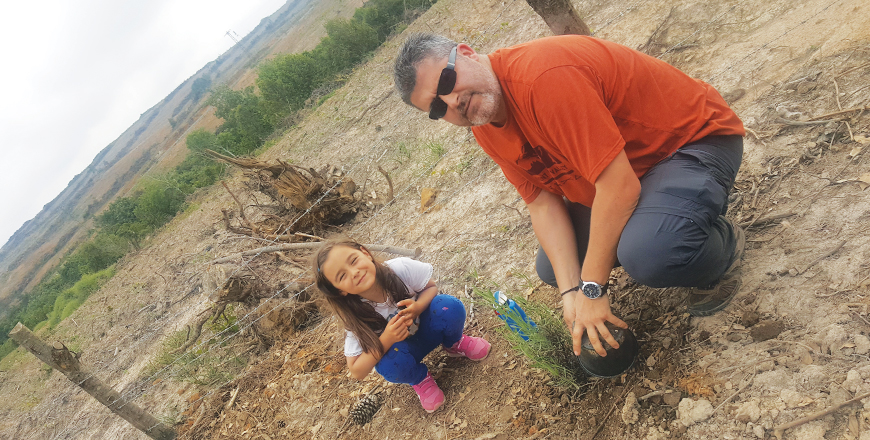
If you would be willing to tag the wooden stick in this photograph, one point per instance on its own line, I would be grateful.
(767, 219)
(60, 359)
(734, 395)
(604, 420)
(802, 123)
(839, 113)
(389, 181)
(778, 430)
(413, 253)
(816, 261)
(241, 207)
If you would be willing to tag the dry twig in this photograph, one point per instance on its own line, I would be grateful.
(606, 416)
(414, 253)
(778, 430)
(389, 181)
(828, 254)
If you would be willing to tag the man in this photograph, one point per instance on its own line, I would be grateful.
(616, 154)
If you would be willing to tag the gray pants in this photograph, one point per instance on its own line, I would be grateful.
(677, 235)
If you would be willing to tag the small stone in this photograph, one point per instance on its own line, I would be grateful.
(853, 381)
(765, 330)
(630, 412)
(748, 412)
(672, 398)
(690, 411)
(758, 430)
(734, 337)
(862, 344)
(790, 397)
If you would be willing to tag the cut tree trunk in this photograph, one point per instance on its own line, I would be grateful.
(560, 16)
(61, 359)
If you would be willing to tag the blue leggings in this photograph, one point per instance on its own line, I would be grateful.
(440, 324)
(678, 235)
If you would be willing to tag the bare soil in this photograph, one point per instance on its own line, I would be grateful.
(793, 342)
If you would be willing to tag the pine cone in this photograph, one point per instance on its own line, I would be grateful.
(364, 411)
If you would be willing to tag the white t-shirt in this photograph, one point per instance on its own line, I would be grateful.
(416, 275)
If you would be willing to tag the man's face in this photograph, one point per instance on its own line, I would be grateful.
(476, 98)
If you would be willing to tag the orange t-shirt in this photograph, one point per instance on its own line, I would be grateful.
(574, 102)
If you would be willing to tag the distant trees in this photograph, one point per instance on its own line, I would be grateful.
(200, 86)
(285, 83)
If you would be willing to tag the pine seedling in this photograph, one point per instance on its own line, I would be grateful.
(548, 344)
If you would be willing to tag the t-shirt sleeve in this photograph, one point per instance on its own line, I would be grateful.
(582, 127)
(352, 347)
(415, 274)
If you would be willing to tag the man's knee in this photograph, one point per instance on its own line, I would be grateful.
(657, 251)
(645, 263)
(544, 268)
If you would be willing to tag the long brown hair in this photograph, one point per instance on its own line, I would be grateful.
(359, 317)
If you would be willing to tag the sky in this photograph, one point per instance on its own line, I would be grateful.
(75, 75)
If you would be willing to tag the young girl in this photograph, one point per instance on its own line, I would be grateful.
(393, 316)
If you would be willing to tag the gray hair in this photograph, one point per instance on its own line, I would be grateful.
(417, 47)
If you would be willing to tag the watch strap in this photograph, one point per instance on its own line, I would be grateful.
(573, 289)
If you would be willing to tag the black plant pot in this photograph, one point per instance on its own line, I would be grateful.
(617, 361)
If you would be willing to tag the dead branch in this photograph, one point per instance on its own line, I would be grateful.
(389, 181)
(606, 416)
(802, 123)
(852, 70)
(767, 219)
(241, 207)
(837, 113)
(250, 163)
(373, 106)
(735, 394)
(197, 331)
(778, 430)
(295, 246)
(828, 254)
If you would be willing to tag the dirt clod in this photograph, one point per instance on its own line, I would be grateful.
(765, 330)
(750, 318)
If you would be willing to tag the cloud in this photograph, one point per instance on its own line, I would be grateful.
(80, 73)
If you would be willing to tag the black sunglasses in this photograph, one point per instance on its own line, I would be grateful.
(446, 82)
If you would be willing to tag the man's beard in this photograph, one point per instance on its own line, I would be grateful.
(486, 109)
(490, 97)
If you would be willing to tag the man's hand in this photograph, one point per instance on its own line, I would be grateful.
(582, 314)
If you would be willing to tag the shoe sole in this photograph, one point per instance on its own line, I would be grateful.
(703, 313)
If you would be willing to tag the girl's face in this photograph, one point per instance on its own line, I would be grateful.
(352, 271)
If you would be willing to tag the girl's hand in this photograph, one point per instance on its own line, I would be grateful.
(397, 330)
(412, 309)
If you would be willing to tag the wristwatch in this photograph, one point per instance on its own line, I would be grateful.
(593, 290)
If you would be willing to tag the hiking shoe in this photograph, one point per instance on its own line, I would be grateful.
(707, 301)
(470, 347)
(431, 397)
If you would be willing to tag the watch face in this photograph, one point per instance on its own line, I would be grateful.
(591, 290)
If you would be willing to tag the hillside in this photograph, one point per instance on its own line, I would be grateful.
(155, 140)
(802, 195)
